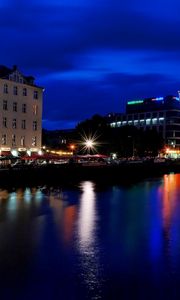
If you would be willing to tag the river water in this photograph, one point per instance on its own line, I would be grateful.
(91, 241)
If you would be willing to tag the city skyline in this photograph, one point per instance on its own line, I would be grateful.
(91, 57)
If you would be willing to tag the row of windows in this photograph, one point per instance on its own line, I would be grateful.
(17, 92)
(173, 133)
(14, 140)
(141, 122)
(147, 115)
(23, 108)
(23, 124)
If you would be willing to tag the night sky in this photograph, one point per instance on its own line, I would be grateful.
(92, 55)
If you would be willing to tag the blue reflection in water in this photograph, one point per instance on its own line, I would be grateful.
(91, 242)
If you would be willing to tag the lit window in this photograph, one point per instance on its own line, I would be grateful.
(35, 109)
(5, 105)
(154, 121)
(4, 139)
(15, 90)
(136, 122)
(35, 94)
(24, 108)
(23, 124)
(13, 140)
(4, 122)
(14, 106)
(35, 125)
(148, 121)
(5, 88)
(34, 141)
(161, 121)
(14, 124)
(22, 141)
(24, 92)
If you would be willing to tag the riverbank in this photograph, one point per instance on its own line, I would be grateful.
(72, 173)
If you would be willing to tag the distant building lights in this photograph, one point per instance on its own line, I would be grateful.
(114, 155)
(135, 102)
(29, 152)
(158, 99)
(40, 152)
(14, 153)
(176, 98)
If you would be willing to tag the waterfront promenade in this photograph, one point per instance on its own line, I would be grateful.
(55, 174)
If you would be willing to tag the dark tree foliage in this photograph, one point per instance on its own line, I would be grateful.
(96, 128)
(126, 141)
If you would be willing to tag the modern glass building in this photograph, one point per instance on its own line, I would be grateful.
(162, 113)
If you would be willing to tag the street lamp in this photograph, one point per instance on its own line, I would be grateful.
(89, 145)
(72, 147)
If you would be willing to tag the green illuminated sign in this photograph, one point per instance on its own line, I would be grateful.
(135, 102)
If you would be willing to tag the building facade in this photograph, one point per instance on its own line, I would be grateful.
(21, 111)
(162, 113)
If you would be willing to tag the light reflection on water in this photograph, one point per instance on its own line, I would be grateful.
(87, 242)
(91, 242)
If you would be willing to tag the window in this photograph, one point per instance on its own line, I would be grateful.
(34, 141)
(141, 122)
(4, 122)
(4, 139)
(136, 122)
(15, 90)
(35, 109)
(154, 121)
(24, 108)
(4, 104)
(14, 106)
(13, 140)
(34, 125)
(35, 94)
(5, 88)
(24, 92)
(22, 141)
(14, 124)
(148, 121)
(23, 124)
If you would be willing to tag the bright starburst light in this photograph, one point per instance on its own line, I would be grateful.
(89, 143)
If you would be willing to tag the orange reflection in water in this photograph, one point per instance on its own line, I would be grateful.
(68, 222)
(64, 215)
(169, 196)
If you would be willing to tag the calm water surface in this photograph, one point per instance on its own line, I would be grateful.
(91, 242)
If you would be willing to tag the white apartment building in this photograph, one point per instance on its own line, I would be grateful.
(20, 111)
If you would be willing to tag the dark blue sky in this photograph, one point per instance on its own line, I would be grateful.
(92, 55)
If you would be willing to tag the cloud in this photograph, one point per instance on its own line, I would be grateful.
(92, 55)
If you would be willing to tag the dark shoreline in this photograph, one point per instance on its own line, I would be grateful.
(72, 174)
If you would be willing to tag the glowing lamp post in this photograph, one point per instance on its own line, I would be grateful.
(89, 145)
(72, 147)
